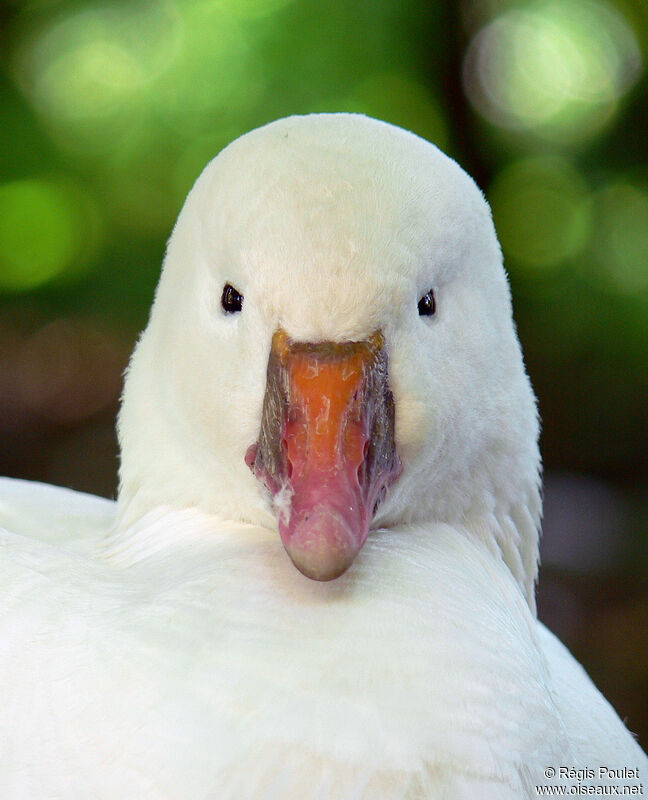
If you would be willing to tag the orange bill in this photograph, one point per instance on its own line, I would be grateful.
(326, 447)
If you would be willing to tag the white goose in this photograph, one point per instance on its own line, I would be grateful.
(333, 312)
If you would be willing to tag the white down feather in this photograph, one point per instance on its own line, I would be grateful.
(167, 648)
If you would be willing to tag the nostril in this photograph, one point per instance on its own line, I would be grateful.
(289, 464)
(362, 467)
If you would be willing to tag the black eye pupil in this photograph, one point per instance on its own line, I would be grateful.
(231, 299)
(427, 304)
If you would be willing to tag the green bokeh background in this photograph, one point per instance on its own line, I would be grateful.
(109, 111)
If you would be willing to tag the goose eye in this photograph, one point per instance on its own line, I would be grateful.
(427, 304)
(231, 299)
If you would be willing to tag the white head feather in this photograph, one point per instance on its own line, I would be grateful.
(333, 226)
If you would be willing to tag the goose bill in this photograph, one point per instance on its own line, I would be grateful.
(326, 448)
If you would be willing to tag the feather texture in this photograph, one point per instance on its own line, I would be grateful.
(165, 647)
(188, 658)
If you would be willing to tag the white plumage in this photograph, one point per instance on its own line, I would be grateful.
(169, 649)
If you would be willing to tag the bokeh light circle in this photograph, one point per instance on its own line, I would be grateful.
(620, 248)
(69, 370)
(88, 70)
(555, 68)
(541, 211)
(39, 233)
(215, 70)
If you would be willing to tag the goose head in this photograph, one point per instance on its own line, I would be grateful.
(331, 349)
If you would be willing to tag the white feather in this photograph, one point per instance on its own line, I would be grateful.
(169, 649)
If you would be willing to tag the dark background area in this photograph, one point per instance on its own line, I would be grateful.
(109, 111)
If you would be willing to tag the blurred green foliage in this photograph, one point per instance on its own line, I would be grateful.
(110, 109)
